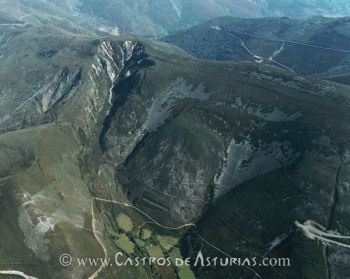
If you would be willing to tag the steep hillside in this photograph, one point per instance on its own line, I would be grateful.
(318, 46)
(119, 144)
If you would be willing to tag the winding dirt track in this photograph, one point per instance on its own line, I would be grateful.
(16, 273)
(314, 231)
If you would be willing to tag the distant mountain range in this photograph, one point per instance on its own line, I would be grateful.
(318, 46)
(159, 17)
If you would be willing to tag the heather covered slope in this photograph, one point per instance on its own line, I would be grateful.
(242, 150)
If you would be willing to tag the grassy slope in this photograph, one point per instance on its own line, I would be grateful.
(53, 187)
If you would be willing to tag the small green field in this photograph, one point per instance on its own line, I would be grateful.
(184, 272)
(125, 222)
(155, 251)
(124, 243)
(167, 242)
(146, 233)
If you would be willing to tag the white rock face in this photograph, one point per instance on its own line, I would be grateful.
(107, 66)
(273, 115)
(161, 107)
(129, 48)
(244, 161)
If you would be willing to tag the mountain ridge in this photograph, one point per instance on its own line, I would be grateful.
(316, 47)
